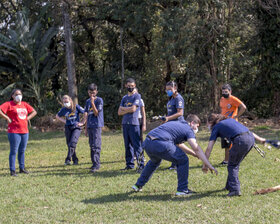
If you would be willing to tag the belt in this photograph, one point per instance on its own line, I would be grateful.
(243, 133)
(151, 137)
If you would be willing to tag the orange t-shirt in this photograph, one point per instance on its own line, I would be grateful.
(229, 106)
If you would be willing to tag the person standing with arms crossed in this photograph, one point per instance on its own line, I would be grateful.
(94, 121)
(129, 109)
(231, 107)
(17, 113)
(175, 107)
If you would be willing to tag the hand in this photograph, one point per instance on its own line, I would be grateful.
(213, 169)
(80, 124)
(143, 128)
(204, 168)
(9, 120)
(92, 98)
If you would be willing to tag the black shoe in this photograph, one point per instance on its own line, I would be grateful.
(93, 170)
(234, 193)
(224, 163)
(172, 168)
(13, 173)
(68, 162)
(127, 168)
(23, 171)
(76, 162)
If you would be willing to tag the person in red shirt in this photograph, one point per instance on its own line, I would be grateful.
(231, 107)
(17, 113)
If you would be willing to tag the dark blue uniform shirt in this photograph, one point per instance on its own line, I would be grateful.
(174, 104)
(71, 117)
(175, 131)
(228, 128)
(92, 120)
(129, 101)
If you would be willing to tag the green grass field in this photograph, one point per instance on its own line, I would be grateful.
(54, 193)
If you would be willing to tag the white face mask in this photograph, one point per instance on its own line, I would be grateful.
(67, 104)
(18, 98)
(195, 130)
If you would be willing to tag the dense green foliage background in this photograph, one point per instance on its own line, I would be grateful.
(200, 44)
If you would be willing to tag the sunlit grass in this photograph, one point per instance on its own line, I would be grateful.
(54, 193)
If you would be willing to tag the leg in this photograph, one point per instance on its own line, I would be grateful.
(136, 144)
(21, 150)
(14, 140)
(73, 143)
(241, 147)
(68, 134)
(151, 166)
(95, 146)
(128, 149)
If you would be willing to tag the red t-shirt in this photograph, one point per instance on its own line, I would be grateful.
(18, 114)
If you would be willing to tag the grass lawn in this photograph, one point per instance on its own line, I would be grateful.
(54, 193)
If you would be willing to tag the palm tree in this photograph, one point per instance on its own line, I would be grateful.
(27, 50)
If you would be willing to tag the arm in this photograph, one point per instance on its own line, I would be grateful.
(207, 154)
(187, 150)
(95, 111)
(258, 138)
(61, 119)
(241, 110)
(31, 115)
(144, 118)
(200, 154)
(175, 116)
(5, 117)
(126, 110)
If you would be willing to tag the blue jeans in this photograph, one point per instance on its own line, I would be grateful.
(18, 144)
(158, 150)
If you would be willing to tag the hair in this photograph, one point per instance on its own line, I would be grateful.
(13, 92)
(73, 106)
(172, 84)
(193, 118)
(226, 86)
(92, 87)
(215, 119)
(131, 80)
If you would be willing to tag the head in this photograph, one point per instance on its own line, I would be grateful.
(67, 102)
(130, 85)
(92, 90)
(214, 119)
(194, 122)
(16, 95)
(171, 88)
(226, 90)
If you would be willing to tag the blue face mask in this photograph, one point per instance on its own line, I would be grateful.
(169, 93)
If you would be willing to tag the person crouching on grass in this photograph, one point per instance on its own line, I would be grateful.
(242, 142)
(71, 112)
(17, 113)
(166, 142)
(94, 121)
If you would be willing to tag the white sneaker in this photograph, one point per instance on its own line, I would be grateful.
(185, 193)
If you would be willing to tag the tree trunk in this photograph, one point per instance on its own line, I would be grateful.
(70, 57)
(122, 50)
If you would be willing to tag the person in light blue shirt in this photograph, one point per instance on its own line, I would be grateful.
(175, 107)
(71, 112)
(129, 108)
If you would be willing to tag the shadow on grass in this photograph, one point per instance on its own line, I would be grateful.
(132, 196)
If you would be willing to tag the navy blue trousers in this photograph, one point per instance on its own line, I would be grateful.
(72, 133)
(132, 144)
(158, 150)
(241, 146)
(94, 137)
